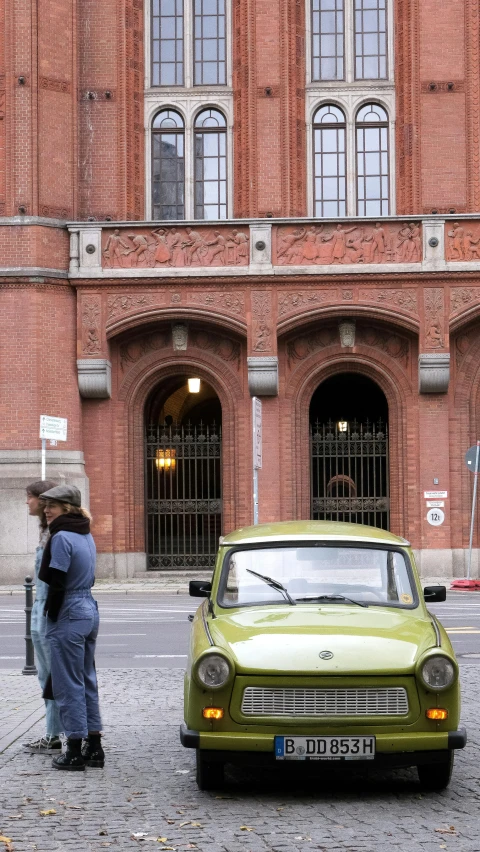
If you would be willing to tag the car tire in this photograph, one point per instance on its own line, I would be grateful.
(210, 775)
(436, 776)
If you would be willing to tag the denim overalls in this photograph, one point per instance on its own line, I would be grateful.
(72, 641)
(42, 645)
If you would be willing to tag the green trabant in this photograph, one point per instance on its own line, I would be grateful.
(314, 643)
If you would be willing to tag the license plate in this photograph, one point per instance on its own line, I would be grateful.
(325, 748)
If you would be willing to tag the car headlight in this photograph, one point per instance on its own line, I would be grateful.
(213, 671)
(438, 673)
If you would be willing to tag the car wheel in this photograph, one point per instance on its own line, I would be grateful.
(436, 776)
(209, 774)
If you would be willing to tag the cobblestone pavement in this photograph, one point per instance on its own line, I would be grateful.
(148, 788)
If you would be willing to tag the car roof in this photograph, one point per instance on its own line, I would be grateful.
(285, 531)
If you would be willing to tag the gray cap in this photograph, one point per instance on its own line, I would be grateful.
(63, 494)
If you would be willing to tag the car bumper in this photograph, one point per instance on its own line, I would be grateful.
(392, 745)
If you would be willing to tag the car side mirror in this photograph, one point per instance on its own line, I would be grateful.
(199, 588)
(435, 593)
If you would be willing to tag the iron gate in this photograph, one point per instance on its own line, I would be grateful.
(184, 495)
(349, 473)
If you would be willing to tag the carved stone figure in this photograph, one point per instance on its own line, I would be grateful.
(347, 333)
(339, 238)
(115, 250)
(289, 249)
(180, 337)
(217, 249)
(163, 254)
(457, 235)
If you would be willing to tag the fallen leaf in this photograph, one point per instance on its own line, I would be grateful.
(450, 830)
(246, 828)
(181, 772)
(5, 839)
(15, 816)
(75, 807)
(197, 825)
(171, 821)
(162, 839)
(48, 812)
(184, 823)
(139, 835)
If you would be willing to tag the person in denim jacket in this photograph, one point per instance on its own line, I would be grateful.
(50, 742)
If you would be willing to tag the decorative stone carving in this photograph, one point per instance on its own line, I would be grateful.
(133, 302)
(393, 345)
(347, 333)
(261, 245)
(463, 344)
(263, 376)
(91, 313)
(223, 347)
(180, 337)
(434, 313)
(90, 249)
(433, 372)
(262, 321)
(318, 244)
(233, 303)
(460, 297)
(301, 347)
(463, 240)
(94, 378)
(174, 247)
(404, 299)
(296, 301)
(135, 349)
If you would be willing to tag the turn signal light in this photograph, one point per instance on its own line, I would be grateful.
(437, 713)
(213, 712)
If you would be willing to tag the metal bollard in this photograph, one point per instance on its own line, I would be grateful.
(29, 667)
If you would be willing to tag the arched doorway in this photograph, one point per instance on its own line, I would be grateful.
(349, 451)
(183, 476)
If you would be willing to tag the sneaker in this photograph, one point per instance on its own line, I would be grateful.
(45, 745)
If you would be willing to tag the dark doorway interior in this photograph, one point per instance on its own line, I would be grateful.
(183, 476)
(349, 451)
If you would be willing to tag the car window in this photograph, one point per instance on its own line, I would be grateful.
(370, 575)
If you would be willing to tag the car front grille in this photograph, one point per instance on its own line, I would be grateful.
(294, 701)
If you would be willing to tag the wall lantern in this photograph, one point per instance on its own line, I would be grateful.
(342, 425)
(194, 385)
(165, 459)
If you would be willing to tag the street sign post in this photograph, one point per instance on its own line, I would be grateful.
(257, 451)
(472, 459)
(53, 429)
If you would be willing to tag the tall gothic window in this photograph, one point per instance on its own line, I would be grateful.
(327, 40)
(209, 42)
(168, 166)
(370, 39)
(167, 42)
(371, 130)
(329, 162)
(210, 165)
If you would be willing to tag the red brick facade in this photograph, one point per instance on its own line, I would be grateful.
(72, 166)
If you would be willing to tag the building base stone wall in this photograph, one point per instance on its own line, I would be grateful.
(122, 566)
(19, 530)
(446, 563)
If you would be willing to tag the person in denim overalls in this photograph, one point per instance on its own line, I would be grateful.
(68, 568)
(50, 742)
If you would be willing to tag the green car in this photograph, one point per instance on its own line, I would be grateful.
(314, 643)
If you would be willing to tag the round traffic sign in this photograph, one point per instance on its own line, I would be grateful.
(436, 517)
(471, 457)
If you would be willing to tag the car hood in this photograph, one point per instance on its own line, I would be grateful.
(289, 640)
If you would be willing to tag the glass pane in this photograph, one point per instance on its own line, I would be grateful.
(327, 40)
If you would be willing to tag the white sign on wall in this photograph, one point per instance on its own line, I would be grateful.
(257, 433)
(53, 428)
(435, 517)
(435, 495)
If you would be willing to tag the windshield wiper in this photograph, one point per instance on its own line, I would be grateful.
(274, 584)
(331, 598)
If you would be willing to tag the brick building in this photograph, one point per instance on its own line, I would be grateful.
(280, 198)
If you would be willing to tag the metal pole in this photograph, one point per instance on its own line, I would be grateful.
(44, 443)
(255, 495)
(474, 501)
(29, 667)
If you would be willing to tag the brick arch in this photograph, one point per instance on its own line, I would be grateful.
(142, 379)
(396, 386)
(135, 321)
(370, 313)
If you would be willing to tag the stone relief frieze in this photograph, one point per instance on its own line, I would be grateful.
(91, 314)
(406, 300)
(463, 344)
(434, 317)
(223, 347)
(261, 321)
(133, 302)
(394, 345)
(362, 244)
(174, 247)
(306, 344)
(135, 349)
(461, 297)
(462, 241)
(233, 303)
(298, 300)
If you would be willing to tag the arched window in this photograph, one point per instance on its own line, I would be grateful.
(329, 162)
(370, 39)
(168, 166)
(327, 40)
(210, 165)
(372, 161)
(167, 42)
(209, 42)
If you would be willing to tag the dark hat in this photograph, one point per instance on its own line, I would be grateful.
(63, 494)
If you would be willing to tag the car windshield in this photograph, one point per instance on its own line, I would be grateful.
(328, 574)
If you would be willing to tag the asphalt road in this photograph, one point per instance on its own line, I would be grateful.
(142, 630)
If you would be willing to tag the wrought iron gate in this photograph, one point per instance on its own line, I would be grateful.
(349, 473)
(183, 495)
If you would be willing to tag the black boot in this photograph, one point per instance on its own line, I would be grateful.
(72, 759)
(92, 751)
